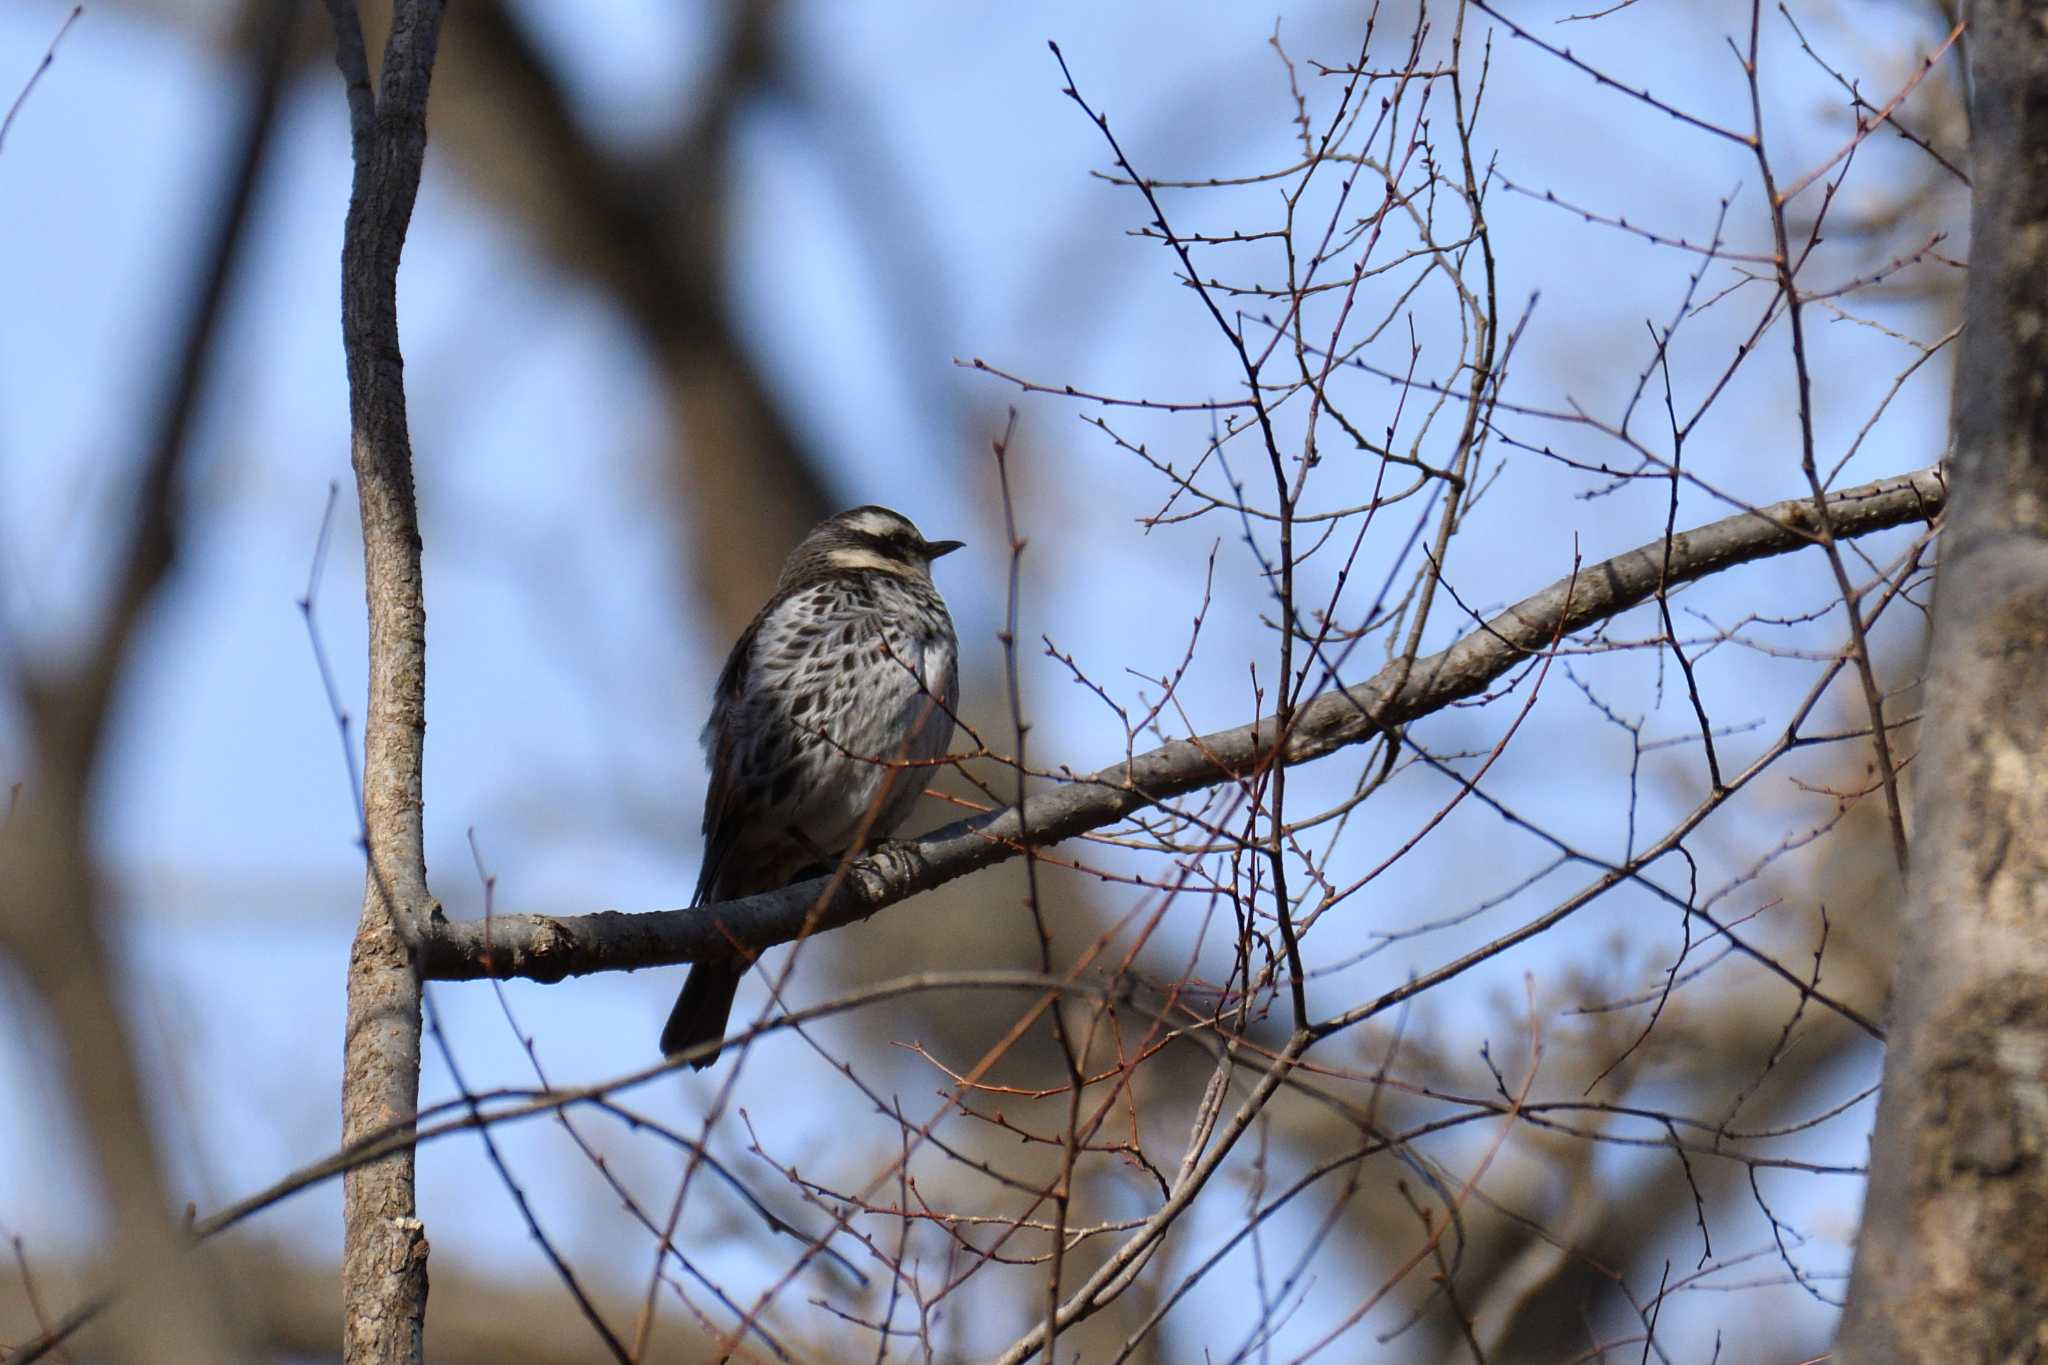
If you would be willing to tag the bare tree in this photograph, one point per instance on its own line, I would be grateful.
(1289, 1019)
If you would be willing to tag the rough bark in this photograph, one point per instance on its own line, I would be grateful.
(1952, 1261)
(548, 948)
(384, 1248)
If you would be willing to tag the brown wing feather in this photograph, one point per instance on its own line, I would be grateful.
(723, 816)
(701, 1011)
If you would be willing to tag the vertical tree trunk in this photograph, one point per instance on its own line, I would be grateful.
(1952, 1262)
(384, 1245)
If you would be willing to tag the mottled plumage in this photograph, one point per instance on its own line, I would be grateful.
(846, 676)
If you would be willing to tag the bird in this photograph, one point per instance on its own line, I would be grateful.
(836, 697)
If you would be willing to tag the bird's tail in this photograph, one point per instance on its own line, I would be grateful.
(701, 1011)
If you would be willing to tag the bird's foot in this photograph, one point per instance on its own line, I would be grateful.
(896, 859)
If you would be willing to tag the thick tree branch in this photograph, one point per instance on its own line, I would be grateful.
(546, 948)
(1949, 1264)
(384, 1248)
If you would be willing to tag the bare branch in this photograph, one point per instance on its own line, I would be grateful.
(384, 1246)
(548, 948)
(49, 57)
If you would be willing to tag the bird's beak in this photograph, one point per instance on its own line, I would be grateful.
(934, 549)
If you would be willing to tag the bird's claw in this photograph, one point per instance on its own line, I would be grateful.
(896, 859)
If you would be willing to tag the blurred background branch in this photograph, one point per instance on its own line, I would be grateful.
(57, 922)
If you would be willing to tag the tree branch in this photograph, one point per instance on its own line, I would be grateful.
(547, 948)
(384, 1247)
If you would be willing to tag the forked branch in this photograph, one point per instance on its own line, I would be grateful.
(384, 1247)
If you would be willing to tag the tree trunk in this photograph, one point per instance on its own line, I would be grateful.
(1952, 1262)
(384, 1246)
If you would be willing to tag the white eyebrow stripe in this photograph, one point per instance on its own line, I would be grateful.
(850, 558)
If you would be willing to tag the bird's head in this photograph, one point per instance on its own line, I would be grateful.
(872, 539)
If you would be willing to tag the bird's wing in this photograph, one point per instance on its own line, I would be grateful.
(723, 814)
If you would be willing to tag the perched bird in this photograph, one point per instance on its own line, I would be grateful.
(843, 685)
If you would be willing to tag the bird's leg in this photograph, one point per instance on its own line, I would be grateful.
(821, 864)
